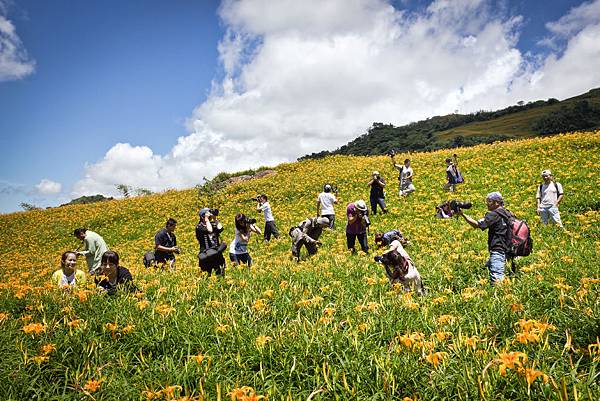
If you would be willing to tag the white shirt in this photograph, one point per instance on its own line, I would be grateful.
(549, 195)
(406, 172)
(327, 200)
(238, 245)
(266, 208)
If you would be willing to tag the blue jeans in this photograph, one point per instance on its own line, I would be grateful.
(495, 265)
(550, 214)
(377, 202)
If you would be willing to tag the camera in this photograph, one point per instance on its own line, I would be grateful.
(250, 221)
(177, 250)
(365, 217)
(456, 205)
(392, 153)
(256, 198)
(214, 212)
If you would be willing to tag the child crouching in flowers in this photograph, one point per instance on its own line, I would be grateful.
(68, 275)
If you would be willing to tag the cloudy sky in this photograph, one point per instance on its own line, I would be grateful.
(158, 94)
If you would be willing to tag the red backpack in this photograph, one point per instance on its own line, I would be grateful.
(518, 236)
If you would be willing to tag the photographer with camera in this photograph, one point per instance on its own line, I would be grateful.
(208, 231)
(307, 233)
(356, 227)
(453, 174)
(165, 245)
(325, 202)
(238, 249)
(265, 207)
(377, 195)
(405, 176)
(496, 222)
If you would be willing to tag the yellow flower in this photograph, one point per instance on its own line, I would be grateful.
(34, 328)
(435, 358)
(48, 348)
(531, 375)
(93, 385)
(262, 340)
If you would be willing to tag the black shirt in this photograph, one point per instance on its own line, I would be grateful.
(166, 239)
(497, 229)
(377, 189)
(124, 279)
(206, 239)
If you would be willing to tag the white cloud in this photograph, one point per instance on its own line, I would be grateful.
(303, 76)
(14, 61)
(48, 187)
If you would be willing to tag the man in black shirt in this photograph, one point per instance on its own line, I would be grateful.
(496, 221)
(208, 231)
(165, 244)
(377, 195)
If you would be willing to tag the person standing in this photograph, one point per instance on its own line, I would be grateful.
(93, 248)
(377, 194)
(356, 227)
(549, 195)
(405, 176)
(270, 226)
(208, 231)
(451, 175)
(238, 249)
(165, 244)
(325, 202)
(496, 222)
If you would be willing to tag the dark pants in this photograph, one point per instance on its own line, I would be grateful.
(380, 202)
(331, 218)
(216, 264)
(271, 229)
(362, 240)
(240, 258)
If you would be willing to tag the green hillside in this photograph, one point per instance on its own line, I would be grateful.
(531, 119)
(330, 327)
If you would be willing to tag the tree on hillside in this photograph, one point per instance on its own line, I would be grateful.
(123, 190)
(28, 206)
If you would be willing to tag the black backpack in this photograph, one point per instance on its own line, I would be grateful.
(149, 259)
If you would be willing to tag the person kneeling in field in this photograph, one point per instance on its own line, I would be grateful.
(385, 239)
(111, 276)
(400, 268)
(307, 234)
(68, 275)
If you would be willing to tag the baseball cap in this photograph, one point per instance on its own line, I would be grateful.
(495, 196)
(547, 173)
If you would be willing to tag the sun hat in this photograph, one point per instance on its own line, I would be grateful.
(361, 205)
(375, 172)
(547, 173)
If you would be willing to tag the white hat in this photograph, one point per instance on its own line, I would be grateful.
(375, 172)
(546, 172)
(323, 221)
(361, 205)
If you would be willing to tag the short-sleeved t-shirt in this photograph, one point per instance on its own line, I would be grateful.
(266, 209)
(377, 190)
(451, 174)
(166, 239)
(357, 227)
(238, 246)
(549, 194)
(327, 200)
(497, 230)
(207, 239)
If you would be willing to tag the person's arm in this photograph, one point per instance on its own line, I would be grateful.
(318, 206)
(86, 247)
(259, 207)
(560, 195)
(371, 182)
(472, 222)
(255, 229)
(410, 176)
(352, 218)
(381, 182)
(207, 222)
(245, 236)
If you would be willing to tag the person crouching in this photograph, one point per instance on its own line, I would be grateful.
(400, 268)
(307, 234)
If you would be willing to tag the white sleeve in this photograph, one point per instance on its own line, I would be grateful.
(560, 189)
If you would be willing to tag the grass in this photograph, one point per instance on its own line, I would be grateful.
(329, 327)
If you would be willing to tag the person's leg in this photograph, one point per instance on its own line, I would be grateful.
(544, 215)
(495, 265)
(267, 233)
(362, 240)
(234, 258)
(331, 218)
(249, 260)
(410, 189)
(381, 203)
(274, 229)
(555, 215)
(373, 205)
(351, 241)
(311, 248)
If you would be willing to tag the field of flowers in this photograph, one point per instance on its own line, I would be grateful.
(329, 327)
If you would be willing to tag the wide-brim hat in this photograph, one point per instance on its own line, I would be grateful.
(361, 205)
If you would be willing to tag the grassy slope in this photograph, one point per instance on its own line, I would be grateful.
(358, 354)
(517, 124)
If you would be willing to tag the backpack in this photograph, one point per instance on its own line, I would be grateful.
(149, 259)
(518, 236)
(400, 269)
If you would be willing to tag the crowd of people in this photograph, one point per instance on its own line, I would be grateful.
(103, 264)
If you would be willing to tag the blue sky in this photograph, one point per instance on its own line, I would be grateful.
(158, 94)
